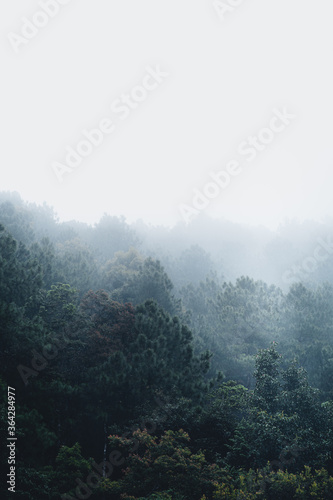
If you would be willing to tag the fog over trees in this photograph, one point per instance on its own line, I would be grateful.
(166, 250)
(151, 362)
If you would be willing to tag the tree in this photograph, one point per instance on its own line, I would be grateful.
(131, 278)
(267, 374)
(285, 424)
(112, 235)
(162, 466)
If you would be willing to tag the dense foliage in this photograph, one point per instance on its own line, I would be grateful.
(143, 374)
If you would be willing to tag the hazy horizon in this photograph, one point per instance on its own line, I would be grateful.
(166, 249)
(231, 113)
(274, 228)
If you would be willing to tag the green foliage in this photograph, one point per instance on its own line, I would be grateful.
(136, 280)
(233, 321)
(162, 465)
(76, 264)
(130, 354)
(35, 484)
(267, 379)
(70, 465)
(285, 424)
(58, 307)
(111, 345)
(266, 484)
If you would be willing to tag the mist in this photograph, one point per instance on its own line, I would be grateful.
(166, 250)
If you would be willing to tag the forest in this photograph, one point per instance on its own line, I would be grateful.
(184, 363)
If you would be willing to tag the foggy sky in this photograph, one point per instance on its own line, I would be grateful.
(218, 84)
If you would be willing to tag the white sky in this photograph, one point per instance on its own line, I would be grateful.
(225, 79)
